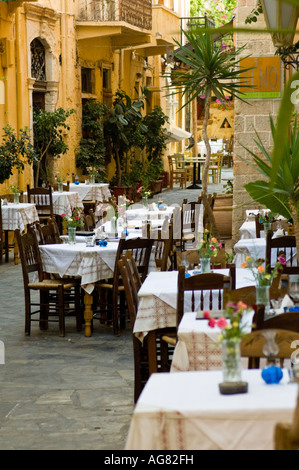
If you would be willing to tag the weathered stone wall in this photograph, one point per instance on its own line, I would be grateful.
(250, 117)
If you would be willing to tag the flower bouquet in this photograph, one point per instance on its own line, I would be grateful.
(16, 193)
(261, 275)
(233, 329)
(93, 172)
(143, 192)
(59, 178)
(208, 247)
(267, 217)
(76, 219)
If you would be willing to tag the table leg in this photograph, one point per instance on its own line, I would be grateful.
(16, 250)
(88, 313)
(194, 185)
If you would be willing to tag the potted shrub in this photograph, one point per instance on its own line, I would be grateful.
(14, 151)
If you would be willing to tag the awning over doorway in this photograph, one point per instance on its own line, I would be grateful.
(176, 134)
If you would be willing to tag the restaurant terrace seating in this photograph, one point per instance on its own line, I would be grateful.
(42, 198)
(54, 300)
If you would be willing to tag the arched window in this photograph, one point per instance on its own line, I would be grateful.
(38, 65)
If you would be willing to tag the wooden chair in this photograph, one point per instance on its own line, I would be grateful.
(65, 186)
(49, 233)
(141, 249)
(182, 163)
(176, 175)
(89, 221)
(214, 170)
(281, 246)
(147, 359)
(163, 246)
(286, 435)
(200, 283)
(55, 294)
(252, 345)
(190, 219)
(42, 198)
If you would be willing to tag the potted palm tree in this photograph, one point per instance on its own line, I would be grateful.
(208, 70)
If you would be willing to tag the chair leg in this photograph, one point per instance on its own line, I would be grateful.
(61, 311)
(78, 308)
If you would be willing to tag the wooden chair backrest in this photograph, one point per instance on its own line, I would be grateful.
(131, 289)
(276, 247)
(42, 198)
(141, 249)
(200, 283)
(29, 254)
(49, 233)
(252, 345)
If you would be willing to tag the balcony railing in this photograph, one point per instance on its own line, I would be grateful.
(137, 13)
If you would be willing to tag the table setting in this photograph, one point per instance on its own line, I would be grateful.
(17, 216)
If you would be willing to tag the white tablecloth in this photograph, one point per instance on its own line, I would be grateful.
(198, 347)
(97, 192)
(90, 263)
(185, 411)
(17, 216)
(216, 146)
(255, 247)
(65, 202)
(158, 299)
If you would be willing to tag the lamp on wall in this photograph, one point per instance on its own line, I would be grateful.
(281, 18)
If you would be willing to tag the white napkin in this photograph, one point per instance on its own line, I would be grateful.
(279, 233)
(286, 302)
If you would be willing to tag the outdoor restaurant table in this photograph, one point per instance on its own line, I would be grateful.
(197, 347)
(64, 202)
(17, 216)
(91, 264)
(158, 299)
(185, 411)
(216, 146)
(92, 192)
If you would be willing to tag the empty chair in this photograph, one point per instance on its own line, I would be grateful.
(56, 295)
(42, 198)
(286, 435)
(252, 346)
(206, 291)
(282, 246)
(214, 170)
(49, 233)
(148, 356)
(176, 175)
(141, 249)
(191, 222)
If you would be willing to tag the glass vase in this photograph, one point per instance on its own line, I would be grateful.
(145, 201)
(92, 179)
(267, 228)
(16, 197)
(263, 298)
(231, 360)
(60, 187)
(72, 235)
(205, 264)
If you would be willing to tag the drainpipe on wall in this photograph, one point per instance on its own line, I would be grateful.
(19, 103)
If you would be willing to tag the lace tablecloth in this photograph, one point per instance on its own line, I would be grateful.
(185, 411)
(92, 192)
(17, 216)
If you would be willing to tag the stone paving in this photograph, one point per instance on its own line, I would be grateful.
(72, 393)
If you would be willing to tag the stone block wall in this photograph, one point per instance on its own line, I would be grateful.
(250, 118)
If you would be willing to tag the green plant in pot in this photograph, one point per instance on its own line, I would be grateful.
(123, 130)
(15, 151)
(91, 150)
(278, 190)
(207, 70)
